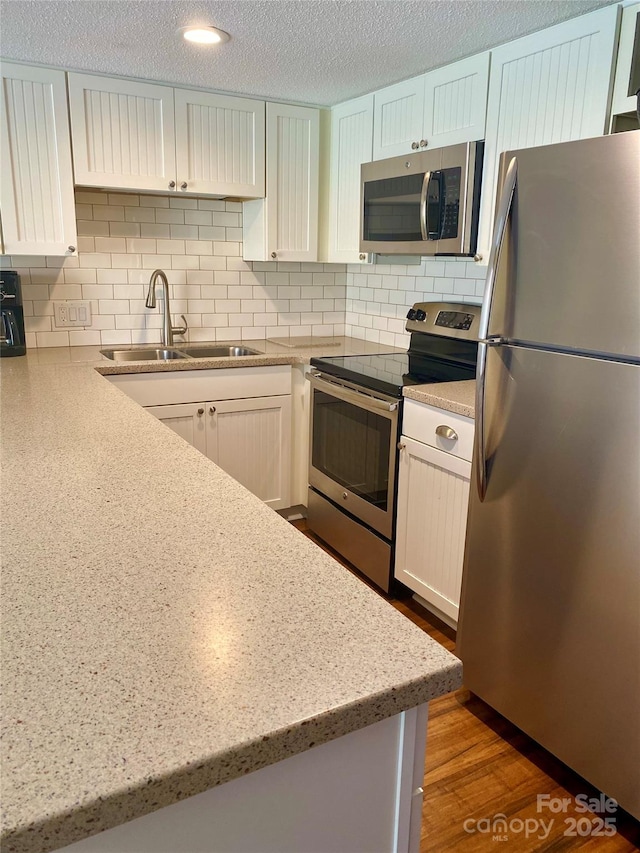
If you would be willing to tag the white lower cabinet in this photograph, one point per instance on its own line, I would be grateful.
(433, 493)
(240, 418)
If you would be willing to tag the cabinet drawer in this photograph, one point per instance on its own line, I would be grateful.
(421, 423)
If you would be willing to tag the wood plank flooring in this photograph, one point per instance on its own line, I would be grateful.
(479, 765)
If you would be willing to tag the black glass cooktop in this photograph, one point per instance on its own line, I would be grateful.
(388, 373)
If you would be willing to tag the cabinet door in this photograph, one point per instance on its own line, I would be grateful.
(36, 191)
(625, 84)
(455, 102)
(284, 225)
(123, 133)
(219, 144)
(251, 441)
(433, 492)
(189, 420)
(552, 86)
(398, 118)
(351, 146)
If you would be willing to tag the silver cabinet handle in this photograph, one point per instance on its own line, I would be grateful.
(172, 184)
(401, 445)
(424, 143)
(446, 432)
(362, 256)
(71, 248)
(212, 410)
(200, 412)
(273, 255)
(183, 185)
(424, 217)
(414, 145)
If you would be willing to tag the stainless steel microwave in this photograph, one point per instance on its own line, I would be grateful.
(426, 203)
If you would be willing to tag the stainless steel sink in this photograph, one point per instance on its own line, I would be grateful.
(142, 354)
(217, 351)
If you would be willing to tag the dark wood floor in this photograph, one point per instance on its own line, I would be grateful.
(479, 765)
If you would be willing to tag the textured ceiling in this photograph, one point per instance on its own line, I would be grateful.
(314, 51)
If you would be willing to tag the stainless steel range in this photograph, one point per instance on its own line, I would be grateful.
(356, 415)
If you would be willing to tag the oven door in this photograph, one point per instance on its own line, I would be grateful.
(352, 456)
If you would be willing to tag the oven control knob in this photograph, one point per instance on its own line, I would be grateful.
(412, 314)
(420, 314)
(344, 496)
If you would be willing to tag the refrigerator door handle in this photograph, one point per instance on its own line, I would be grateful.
(478, 451)
(499, 230)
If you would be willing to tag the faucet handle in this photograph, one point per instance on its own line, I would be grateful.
(180, 330)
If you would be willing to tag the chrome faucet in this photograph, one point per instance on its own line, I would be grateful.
(168, 330)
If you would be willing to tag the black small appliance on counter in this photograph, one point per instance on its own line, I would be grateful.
(12, 337)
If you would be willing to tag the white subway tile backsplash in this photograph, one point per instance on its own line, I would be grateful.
(124, 229)
(123, 237)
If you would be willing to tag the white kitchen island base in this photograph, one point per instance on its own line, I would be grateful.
(361, 792)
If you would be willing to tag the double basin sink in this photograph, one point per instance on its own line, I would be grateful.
(171, 353)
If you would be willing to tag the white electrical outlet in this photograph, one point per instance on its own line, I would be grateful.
(72, 312)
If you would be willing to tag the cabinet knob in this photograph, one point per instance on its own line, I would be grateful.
(72, 248)
(273, 255)
(477, 257)
(401, 445)
(362, 256)
(212, 410)
(172, 184)
(200, 412)
(424, 143)
(414, 145)
(344, 496)
(183, 185)
(446, 432)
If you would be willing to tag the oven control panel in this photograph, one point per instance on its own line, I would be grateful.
(449, 319)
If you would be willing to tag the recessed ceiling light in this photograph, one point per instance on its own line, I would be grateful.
(204, 35)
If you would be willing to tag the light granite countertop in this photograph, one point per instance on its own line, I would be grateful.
(163, 631)
(458, 397)
(268, 353)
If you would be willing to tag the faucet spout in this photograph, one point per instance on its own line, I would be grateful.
(168, 330)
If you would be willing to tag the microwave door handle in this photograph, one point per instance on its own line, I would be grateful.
(499, 231)
(424, 212)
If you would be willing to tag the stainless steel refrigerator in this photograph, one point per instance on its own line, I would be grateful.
(550, 618)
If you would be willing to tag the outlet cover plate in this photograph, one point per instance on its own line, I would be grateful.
(72, 313)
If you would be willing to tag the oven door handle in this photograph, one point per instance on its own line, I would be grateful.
(358, 398)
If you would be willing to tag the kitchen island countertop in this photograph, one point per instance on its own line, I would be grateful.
(163, 630)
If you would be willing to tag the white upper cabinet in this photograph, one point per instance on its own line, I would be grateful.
(625, 87)
(455, 102)
(351, 146)
(443, 107)
(398, 118)
(123, 133)
(139, 136)
(36, 191)
(552, 86)
(284, 225)
(219, 144)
